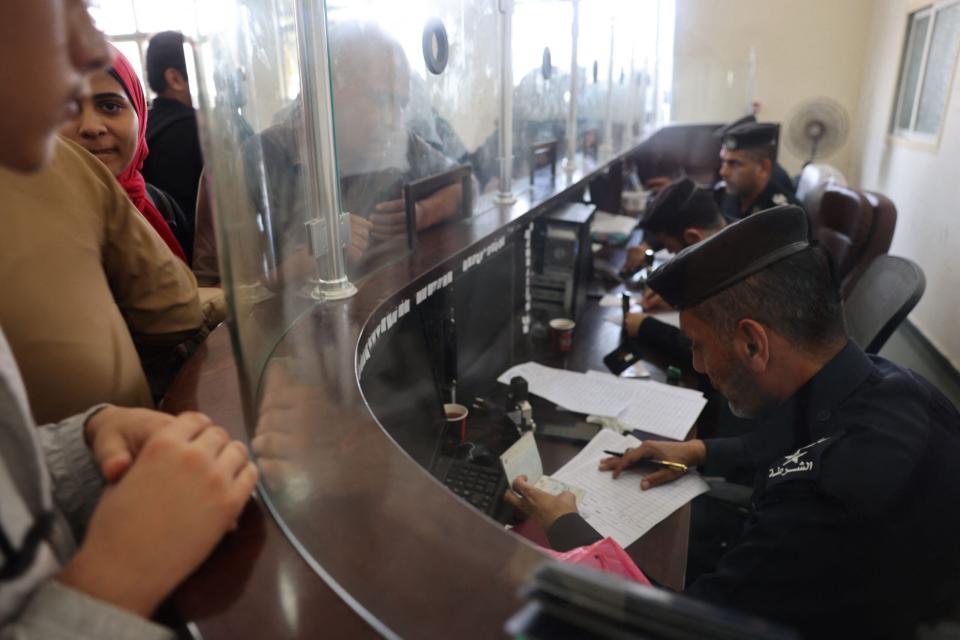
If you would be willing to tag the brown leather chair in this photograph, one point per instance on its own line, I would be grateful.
(881, 236)
(855, 227)
(813, 182)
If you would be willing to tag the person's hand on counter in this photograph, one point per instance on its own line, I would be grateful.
(360, 229)
(636, 258)
(154, 527)
(652, 302)
(632, 323)
(282, 438)
(690, 453)
(545, 508)
(116, 435)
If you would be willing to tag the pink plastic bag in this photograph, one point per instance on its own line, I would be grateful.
(605, 555)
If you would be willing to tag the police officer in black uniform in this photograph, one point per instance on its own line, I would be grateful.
(748, 155)
(854, 522)
(681, 215)
(779, 175)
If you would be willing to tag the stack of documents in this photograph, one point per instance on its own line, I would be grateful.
(649, 406)
(617, 507)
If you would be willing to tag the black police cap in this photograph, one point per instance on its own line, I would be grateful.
(740, 250)
(750, 135)
(725, 129)
(681, 205)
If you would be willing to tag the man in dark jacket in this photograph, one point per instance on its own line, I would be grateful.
(853, 523)
(748, 156)
(175, 159)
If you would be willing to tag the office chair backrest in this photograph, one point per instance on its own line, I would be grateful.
(877, 241)
(842, 225)
(889, 289)
(814, 180)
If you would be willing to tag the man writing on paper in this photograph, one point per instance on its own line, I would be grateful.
(853, 525)
(681, 216)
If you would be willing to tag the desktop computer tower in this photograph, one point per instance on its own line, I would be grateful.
(560, 264)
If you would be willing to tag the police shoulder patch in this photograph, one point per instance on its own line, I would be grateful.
(802, 464)
(779, 199)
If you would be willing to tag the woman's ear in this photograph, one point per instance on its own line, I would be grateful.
(752, 344)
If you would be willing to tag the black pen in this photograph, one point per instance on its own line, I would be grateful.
(676, 466)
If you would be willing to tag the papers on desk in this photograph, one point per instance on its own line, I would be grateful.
(609, 226)
(618, 508)
(571, 390)
(650, 406)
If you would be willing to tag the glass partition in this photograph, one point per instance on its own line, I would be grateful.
(415, 95)
(542, 42)
(334, 132)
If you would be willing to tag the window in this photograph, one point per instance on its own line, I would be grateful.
(129, 24)
(929, 57)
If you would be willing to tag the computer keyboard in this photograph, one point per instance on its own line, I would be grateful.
(480, 486)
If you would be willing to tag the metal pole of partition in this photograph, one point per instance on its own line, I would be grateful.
(571, 164)
(656, 74)
(751, 77)
(505, 193)
(607, 147)
(631, 118)
(322, 188)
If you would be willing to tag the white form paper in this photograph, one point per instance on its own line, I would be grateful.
(618, 508)
(571, 390)
(654, 407)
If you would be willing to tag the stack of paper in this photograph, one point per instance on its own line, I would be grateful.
(650, 406)
(617, 507)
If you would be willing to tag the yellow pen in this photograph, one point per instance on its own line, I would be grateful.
(676, 466)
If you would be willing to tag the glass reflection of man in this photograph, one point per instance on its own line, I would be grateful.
(376, 154)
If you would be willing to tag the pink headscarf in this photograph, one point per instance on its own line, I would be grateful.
(130, 178)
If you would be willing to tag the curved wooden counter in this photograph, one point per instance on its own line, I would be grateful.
(414, 560)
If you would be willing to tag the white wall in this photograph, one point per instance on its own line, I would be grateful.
(922, 182)
(804, 49)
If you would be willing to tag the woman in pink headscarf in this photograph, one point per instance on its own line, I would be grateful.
(112, 124)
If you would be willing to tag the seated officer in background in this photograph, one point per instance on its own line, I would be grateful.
(853, 528)
(782, 184)
(778, 175)
(747, 157)
(681, 216)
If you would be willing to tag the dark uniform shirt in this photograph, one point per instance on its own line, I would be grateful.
(854, 523)
(666, 340)
(773, 195)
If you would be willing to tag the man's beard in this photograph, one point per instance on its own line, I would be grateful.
(747, 401)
